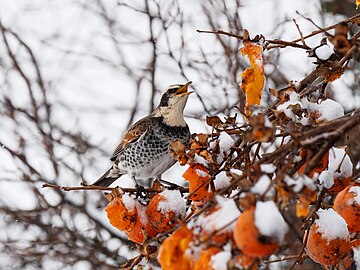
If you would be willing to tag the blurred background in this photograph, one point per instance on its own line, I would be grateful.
(75, 74)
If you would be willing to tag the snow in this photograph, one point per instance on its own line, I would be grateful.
(263, 185)
(201, 173)
(225, 142)
(268, 168)
(331, 225)
(356, 257)
(298, 183)
(174, 202)
(269, 221)
(224, 216)
(141, 213)
(221, 181)
(356, 190)
(220, 259)
(324, 52)
(328, 109)
(336, 157)
(200, 160)
(128, 202)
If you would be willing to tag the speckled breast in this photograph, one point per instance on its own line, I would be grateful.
(149, 156)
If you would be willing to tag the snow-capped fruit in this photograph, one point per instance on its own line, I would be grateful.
(165, 210)
(320, 166)
(122, 213)
(328, 239)
(347, 205)
(248, 238)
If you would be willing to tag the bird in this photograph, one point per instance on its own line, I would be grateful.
(144, 150)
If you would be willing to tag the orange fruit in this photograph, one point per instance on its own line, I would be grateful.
(172, 250)
(348, 261)
(142, 229)
(322, 165)
(197, 175)
(248, 238)
(347, 204)
(328, 239)
(204, 261)
(121, 215)
(160, 214)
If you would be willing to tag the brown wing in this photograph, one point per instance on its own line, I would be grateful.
(132, 135)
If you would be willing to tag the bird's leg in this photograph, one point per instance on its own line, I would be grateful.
(140, 190)
(171, 186)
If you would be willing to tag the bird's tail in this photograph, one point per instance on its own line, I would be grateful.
(108, 178)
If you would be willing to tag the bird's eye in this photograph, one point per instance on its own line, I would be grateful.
(172, 90)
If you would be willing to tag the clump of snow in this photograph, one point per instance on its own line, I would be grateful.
(225, 142)
(356, 257)
(267, 168)
(174, 202)
(356, 190)
(200, 160)
(328, 109)
(269, 221)
(128, 202)
(300, 182)
(236, 171)
(324, 52)
(337, 156)
(221, 181)
(263, 185)
(331, 225)
(201, 173)
(224, 216)
(220, 259)
(288, 108)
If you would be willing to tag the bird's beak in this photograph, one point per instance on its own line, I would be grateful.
(183, 90)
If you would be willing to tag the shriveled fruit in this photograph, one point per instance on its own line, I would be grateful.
(172, 250)
(328, 239)
(347, 204)
(248, 238)
(204, 261)
(165, 210)
(122, 213)
(197, 175)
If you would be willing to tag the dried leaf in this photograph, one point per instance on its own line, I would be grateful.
(213, 121)
(253, 77)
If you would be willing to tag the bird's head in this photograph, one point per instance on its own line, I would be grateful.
(172, 104)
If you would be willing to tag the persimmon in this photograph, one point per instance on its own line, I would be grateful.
(328, 239)
(165, 209)
(347, 204)
(142, 228)
(248, 238)
(172, 250)
(197, 175)
(321, 166)
(204, 261)
(348, 261)
(338, 175)
(122, 213)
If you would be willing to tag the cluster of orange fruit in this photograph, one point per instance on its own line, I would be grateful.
(327, 251)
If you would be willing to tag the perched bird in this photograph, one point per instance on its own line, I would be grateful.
(144, 151)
